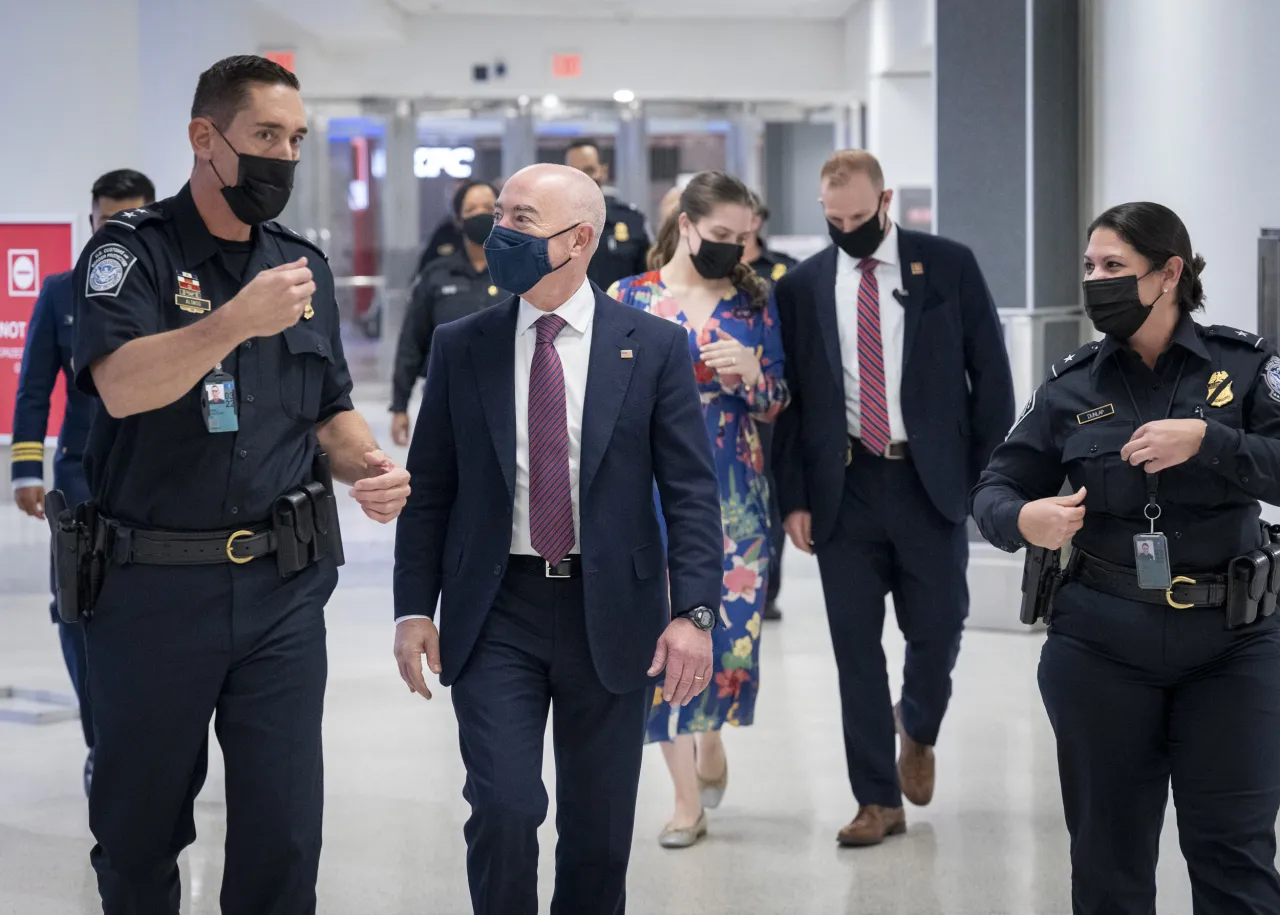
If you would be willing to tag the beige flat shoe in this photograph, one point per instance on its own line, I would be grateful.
(684, 838)
(712, 792)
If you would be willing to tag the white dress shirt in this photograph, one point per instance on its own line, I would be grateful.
(892, 321)
(573, 345)
(574, 348)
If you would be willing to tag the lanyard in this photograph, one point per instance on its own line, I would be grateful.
(1153, 479)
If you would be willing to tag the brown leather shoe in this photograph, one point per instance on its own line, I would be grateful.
(916, 768)
(872, 826)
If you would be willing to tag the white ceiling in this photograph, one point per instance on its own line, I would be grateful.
(632, 9)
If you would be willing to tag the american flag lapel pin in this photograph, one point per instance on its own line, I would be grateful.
(627, 354)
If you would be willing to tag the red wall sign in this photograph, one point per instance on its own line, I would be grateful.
(283, 58)
(31, 248)
(566, 66)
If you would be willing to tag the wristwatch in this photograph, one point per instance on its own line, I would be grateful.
(702, 617)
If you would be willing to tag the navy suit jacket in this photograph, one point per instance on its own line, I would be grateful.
(641, 422)
(957, 389)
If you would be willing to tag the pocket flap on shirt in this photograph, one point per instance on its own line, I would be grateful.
(1095, 441)
(302, 341)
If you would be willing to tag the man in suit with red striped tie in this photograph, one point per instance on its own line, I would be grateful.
(901, 389)
(545, 423)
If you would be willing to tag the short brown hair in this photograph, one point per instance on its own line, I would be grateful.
(845, 163)
(223, 89)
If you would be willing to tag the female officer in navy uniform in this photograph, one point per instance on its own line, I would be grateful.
(1146, 686)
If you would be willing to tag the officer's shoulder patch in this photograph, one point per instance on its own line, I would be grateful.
(286, 232)
(131, 219)
(1079, 357)
(1234, 335)
(109, 266)
(1271, 373)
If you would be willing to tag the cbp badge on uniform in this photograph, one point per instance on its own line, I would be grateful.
(108, 268)
(1272, 373)
(779, 271)
(1220, 393)
(188, 297)
(621, 234)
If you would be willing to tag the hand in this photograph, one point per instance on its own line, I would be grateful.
(414, 638)
(31, 500)
(799, 527)
(400, 428)
(1049, 523)
(1165, 443)
(383, 493)
(273, 300)
(733, 362)
(685, 651)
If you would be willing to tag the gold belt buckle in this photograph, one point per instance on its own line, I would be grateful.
(1168, 594)
(231, 542)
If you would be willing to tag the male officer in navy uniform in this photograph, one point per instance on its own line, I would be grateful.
(624, 246)
(201, 609)
(50, 335)
(771, 266)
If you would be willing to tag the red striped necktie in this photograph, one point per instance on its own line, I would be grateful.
(875, 405)
(550, 497)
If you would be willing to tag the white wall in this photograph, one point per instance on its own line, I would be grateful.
(1184, 112)
(790, 60)
(68, 102)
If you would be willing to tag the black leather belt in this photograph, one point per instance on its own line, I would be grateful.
(569, 567)
(894, 451)
(1198, 590)
(175, 548)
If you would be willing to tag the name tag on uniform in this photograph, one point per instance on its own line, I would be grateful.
(1096, 413)
(218, 401)
(1151, 560)
(448, 290)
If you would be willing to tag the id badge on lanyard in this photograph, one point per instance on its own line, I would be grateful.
(219, 402)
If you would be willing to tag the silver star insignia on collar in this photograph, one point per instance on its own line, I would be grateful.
(1242, 333)
(1069, 358)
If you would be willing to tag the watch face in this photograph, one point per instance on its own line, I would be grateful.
(703, 618)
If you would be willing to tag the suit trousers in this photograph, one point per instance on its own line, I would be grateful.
(169, 648)
(1143, 697)
(891, 539)
(777, 534)
(531, 657)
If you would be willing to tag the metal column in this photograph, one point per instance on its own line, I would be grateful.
(743, 149)
(631, 174)
(519, 141)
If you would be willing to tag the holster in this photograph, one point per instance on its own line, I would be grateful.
(306, 523)
(324, 503)
(1248, 577)
(1272, 592)
(79, 555)
(1041, 577)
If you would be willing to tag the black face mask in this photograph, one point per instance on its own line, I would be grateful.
(715, 260)
(1114, 307)
(861, 242)
(477, 227)
(262, 187)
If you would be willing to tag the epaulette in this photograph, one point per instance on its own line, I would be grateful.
(131, 219)
(288, 233)
(1242, 337)
(1079, 357)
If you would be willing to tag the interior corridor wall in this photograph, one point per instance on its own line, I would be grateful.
(1182, 111)
(69, 102)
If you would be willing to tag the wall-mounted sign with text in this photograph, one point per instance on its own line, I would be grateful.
(434, 161)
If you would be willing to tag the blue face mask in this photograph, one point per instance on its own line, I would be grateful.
(518, 262)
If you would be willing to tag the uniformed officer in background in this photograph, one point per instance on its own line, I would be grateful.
(772, 266)
(47, 353)
(1143, 680)
(624, 246)
(450, 288)
(208, 504)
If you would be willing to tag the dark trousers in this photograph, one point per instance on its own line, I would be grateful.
(169, 648)
(68, 476)
(777, 535)
(532, 655)
(1140, 696)
(890, 539)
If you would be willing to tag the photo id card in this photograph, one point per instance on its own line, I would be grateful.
(218, 402)
(1151, 557)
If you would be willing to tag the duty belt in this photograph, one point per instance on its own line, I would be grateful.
(1198, 590)
(177, 548)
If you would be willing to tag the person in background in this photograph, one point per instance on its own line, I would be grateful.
(625, 244)
(902, 390)
(50, 336)
(700, 283)
(451, 287)
(447, 239)
(771, 266)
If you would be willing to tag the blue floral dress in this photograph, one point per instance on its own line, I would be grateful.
(731, 414)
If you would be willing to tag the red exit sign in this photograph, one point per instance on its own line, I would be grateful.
(566, 66)
(283, 58)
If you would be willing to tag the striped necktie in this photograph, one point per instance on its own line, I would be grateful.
(550, 497)
(875, 405)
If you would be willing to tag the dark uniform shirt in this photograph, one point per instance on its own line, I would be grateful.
(445, 240)
(50, 334)
(1082, 416)
(624, 247)
(772, 265)
(158, 269)
(449, 289)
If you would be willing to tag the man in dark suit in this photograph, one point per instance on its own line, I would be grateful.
(544, 424)
(901, 389)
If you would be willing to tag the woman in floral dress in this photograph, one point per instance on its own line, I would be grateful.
(699, 282)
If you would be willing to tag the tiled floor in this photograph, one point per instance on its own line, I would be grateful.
(992, 842)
